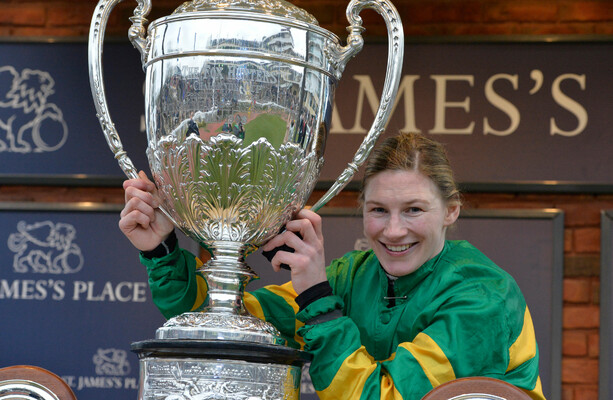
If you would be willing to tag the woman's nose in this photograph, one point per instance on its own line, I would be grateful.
(395, 227)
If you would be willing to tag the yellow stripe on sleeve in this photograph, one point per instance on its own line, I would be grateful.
(351, 377)
(388, 389)
(253, 306)
(431, 358)
(537, 392)
(353, 373)
(287, 292)
(524, 347)
(201, 292)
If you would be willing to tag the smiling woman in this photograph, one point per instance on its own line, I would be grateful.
(409, 198)
(405, 219)
(396, 321)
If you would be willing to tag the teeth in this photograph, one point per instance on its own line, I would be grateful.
(399, 248)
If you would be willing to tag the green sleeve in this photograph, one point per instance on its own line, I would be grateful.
(176, 288)
(276, 304)
(172, 281)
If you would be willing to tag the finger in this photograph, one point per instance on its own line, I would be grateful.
(132, 186)
(151, 187)
(276, 241)
(142, 182)
(315, 220)
(129, 207)
(147, 197)
(134, 220)
(283, 257)
(292, 240)
(305, 228)
(138, 183)
(136, 204)
(144, 177)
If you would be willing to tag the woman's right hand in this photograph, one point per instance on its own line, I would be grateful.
(141, 220)
(307, 262)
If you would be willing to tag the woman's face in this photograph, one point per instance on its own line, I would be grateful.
(405, 219)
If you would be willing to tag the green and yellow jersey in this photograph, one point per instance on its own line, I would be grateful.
(458, 315)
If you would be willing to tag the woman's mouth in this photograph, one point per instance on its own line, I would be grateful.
(399, 248)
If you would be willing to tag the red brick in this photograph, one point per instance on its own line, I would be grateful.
(345, 199)
(443, 11)
(577, 290)
(326, 13)
(578, 370)
(22, 15)
(581, 317)
(554, 28)
(587, 11)
(586, 392)
(568, 240)
(568, 392)
(564, 29)
(574, 343)
(586, 240)
(521, 11)
(603, 29)
(80, 31)
(593, 345)
(70, 15)
(596, 292)
(583, 214)
(581, 265)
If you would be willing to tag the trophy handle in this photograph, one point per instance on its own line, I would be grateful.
(96, 39)
(341, 55)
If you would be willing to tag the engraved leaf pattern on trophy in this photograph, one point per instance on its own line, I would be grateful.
(222, 191)
(284, 181)
(271, 7)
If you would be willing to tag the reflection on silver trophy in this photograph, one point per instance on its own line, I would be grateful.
(238, 105)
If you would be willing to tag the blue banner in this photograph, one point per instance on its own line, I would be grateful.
(48, 123)
(73, 297)
(530, 111)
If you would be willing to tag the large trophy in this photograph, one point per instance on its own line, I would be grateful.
(238, 101)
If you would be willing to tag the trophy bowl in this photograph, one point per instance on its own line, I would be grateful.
(238, 106)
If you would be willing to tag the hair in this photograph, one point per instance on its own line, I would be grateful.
(414, 152)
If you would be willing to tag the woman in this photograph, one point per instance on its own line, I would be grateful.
(392, 322)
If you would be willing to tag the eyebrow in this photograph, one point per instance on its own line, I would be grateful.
(405, 203)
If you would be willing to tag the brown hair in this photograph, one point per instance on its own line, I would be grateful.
(414, 152)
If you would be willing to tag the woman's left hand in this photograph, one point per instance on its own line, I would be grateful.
(307, 262)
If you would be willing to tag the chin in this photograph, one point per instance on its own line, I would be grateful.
(399, 270)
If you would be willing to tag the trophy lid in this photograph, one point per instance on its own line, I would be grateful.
(280, 8)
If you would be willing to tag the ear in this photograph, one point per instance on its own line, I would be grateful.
(453, 212)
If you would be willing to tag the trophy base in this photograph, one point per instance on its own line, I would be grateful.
(215, 369)
(220, 326)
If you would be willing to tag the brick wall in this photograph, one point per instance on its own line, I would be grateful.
(420, 17)
(32, 18)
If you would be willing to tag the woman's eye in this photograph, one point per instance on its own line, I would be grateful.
(378, 210)
(414, 210)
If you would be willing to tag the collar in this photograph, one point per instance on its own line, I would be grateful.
(405, 284)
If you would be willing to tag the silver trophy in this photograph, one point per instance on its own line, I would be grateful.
(238, 101)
